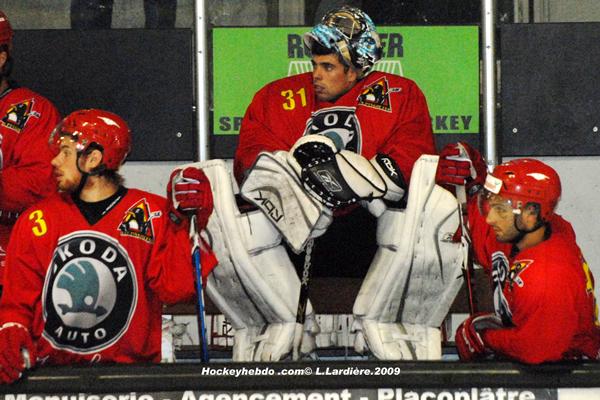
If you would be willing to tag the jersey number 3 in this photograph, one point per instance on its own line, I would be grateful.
(39, 228)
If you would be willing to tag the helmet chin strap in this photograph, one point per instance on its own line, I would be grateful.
(86, 174)
(523, 232)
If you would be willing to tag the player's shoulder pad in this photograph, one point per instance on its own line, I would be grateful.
(25, 103)
(23, 94)
(394, 81)
(153, 200)
(45, 209)
(289, 82)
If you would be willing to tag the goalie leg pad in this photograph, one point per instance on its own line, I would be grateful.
(415, 274)
(254, 283)
(273, 187)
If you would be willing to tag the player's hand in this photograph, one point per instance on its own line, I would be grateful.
(16, 351)
(189, 193)
(460, 164)
(469, 343)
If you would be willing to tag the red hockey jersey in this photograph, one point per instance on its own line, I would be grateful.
(383, 113)
(544, 293)
(94, 293)
(26, 121)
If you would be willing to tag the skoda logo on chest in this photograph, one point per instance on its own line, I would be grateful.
(339, 124)
(90, 293)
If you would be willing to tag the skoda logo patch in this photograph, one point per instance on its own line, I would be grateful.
(339, 124)
(90, 293)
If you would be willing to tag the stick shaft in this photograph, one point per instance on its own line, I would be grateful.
(201, 314)
(468, 269)
(302, 300)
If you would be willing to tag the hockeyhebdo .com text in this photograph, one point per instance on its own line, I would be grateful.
(300, 371)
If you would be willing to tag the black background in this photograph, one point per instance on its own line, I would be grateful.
(550, 82)
(144, 76)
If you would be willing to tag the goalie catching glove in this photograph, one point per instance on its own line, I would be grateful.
(340, 178)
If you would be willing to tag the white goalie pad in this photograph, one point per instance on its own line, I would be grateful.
(415, 274)
(255, 284)
(273, 186)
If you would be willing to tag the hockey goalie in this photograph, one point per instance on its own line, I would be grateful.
(289, 198)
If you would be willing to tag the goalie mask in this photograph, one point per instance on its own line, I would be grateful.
(520, 183)
(95, 129)
(350, 33)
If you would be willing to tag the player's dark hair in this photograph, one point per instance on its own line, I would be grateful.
(113, 176)
(319, 50)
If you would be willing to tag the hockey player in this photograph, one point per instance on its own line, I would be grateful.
(324, 141)
(89, 268)
(365, 111)
(544, 302)
(26, 120)
(368, 112)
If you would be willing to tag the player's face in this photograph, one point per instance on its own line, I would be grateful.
(331, 79)
(501, 217)
(65, 166)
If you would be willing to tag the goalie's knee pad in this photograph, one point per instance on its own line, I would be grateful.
(254, 284)
(415, 274)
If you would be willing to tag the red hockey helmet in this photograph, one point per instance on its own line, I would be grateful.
(6, 31)
(524, 181)
(99, 129)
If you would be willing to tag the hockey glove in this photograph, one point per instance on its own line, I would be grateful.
(188, 193)
(16, 351)
(469, 343)
(460, 164)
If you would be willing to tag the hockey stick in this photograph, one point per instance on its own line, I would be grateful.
(465, 239)
(302, 301)
(201, 315)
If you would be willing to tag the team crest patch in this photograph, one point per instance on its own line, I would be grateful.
(515, 270)
(339, 124)
(17, 115)
(138, 222)
(377, 95)
(90, 293)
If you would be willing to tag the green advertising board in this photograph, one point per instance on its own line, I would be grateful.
(443, 60)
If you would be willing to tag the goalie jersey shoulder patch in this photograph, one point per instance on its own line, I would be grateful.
(90, 293)
(377, 95)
